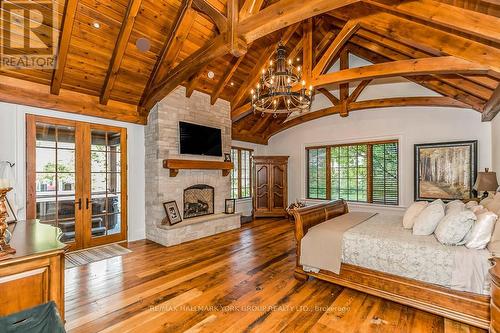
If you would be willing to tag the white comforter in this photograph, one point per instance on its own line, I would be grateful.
(382, 244)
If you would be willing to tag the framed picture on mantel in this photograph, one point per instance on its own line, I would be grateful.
(445, 170)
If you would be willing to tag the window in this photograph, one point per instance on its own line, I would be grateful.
(241, 174)
(362, 172)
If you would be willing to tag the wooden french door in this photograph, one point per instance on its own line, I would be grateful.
(76, 179)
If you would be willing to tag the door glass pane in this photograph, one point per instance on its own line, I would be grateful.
(106, 182)
(55, 177)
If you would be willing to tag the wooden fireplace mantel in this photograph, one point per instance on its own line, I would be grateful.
(176, 165)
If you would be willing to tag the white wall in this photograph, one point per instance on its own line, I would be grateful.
(411, 125)
(12, 137)
(495, 147)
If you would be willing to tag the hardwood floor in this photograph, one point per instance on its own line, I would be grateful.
(238, 281)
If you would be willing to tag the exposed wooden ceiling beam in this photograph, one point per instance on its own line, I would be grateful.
(254, 75)
(197, 60)
(181, 25)
(64, 41)
(428, 38)
(334, 49)
(492, 107)
(241, 112)
(460, 19)
(191, 83)
(237, 46)
(359, 89)
(24, 92)
(427, 81)
(250, 7)
(226, 77)
(119, 50)
(344, 87)
(422, 66)
(369, 104)
(307, 50)
(285, 13)
(329, 95)
(217, 17)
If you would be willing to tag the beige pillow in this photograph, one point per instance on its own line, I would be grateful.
(412, 212)
(494, 205)
(471, 204)
(455, 206)
(427, 221)
(486, 201)
(476, 209)
(482, 231)
(453, 228)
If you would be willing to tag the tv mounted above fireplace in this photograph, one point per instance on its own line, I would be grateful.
(199, 140)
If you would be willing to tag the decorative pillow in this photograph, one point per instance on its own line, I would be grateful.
(494, 206)
(471, 204)
(476, 209)
(455, 206)
(412, 212)
(482, 231)
(439, 202)
(453, 228)
(427, 221)
(486, 201)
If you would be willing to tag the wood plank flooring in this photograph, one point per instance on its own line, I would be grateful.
(238, 281)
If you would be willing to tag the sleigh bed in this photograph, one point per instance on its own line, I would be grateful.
(423, 292)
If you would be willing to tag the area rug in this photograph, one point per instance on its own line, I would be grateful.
(88, 256)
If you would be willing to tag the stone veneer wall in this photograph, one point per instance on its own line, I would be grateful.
(162, 142)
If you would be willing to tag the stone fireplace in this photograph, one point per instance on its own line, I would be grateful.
(199, 194)
(198, 201)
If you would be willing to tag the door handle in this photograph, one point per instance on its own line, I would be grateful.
(79, 203)
(87, 201)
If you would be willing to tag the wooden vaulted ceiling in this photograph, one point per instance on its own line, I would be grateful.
(449, 46)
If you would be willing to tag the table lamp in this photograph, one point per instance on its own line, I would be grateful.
(486, 181)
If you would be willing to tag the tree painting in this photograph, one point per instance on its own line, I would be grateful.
(445, 171)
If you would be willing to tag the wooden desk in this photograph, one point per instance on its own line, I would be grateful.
(35, 273)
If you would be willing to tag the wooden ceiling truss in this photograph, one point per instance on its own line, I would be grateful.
(448, 46)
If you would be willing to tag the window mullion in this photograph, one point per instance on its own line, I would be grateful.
(239, 175)
(369, 173)
(328, 173)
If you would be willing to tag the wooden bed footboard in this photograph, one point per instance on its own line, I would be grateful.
(469, 308)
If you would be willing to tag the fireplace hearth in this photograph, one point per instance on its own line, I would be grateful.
(198, 201)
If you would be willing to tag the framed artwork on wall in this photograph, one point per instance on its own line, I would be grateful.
(445, 170)
(172, 211)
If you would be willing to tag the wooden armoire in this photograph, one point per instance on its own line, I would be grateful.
(270, 186)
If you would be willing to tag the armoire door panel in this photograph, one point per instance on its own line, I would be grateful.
(270, 185)
(262, 188)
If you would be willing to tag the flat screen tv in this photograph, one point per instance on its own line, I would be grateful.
(200, 140)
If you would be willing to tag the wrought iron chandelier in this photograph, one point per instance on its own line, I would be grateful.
(275, 92)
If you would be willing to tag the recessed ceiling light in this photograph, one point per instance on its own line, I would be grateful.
(232, 83)
(96, 25)
(143, 44)
(210, 74)
(298, 59)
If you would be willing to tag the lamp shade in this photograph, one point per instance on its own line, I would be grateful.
(486, 181)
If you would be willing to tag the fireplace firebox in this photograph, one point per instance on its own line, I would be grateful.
(198, 201)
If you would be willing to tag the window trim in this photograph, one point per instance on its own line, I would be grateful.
(369, 176)
(240, 190)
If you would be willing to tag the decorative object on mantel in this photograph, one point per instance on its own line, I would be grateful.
(172, 211)
(5, 236)
(275, 93)
(486, 181)
(230, 206)
(227, 157)
(176, 165)
(445, 170)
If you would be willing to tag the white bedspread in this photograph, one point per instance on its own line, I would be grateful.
(382, 244)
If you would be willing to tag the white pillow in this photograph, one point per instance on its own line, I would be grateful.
(439, 202)
(482, 231)
(427, 221)
(455, 206)
(453, 228)
(412, 212)
(471, 204)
